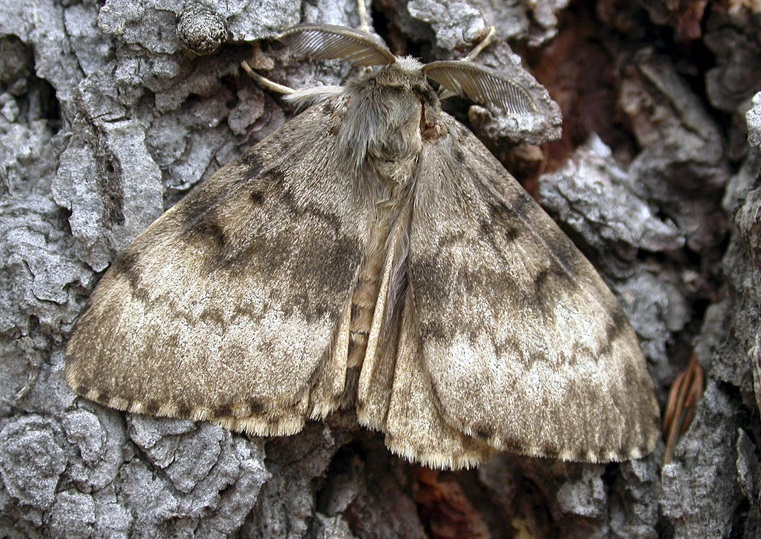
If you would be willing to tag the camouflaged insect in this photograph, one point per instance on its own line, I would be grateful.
(372, 253)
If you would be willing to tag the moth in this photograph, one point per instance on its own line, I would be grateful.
(372, 253)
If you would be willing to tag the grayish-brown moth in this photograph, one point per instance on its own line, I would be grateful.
(373, 253)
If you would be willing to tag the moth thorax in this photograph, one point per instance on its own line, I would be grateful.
(381, 132)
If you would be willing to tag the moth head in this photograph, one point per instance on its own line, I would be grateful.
(329, 42)
(406, 75)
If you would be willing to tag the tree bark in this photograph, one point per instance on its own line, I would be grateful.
(109, 114)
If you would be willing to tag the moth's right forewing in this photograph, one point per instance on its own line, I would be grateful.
(235, 304)
(525, 346)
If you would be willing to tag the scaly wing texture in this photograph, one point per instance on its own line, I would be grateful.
(523, 345)
(235, 305)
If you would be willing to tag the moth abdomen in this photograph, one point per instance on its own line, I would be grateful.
(365, 295)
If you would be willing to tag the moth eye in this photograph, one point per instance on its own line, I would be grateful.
(433, 132)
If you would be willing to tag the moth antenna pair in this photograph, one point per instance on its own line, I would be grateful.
(465, 78)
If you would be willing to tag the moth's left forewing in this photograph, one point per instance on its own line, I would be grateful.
(234, 306)
(525, 346)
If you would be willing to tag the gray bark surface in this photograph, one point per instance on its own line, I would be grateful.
(109, 114)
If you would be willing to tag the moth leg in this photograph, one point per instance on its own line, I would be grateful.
(362, 12)
(485, 42)
(264, 82)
